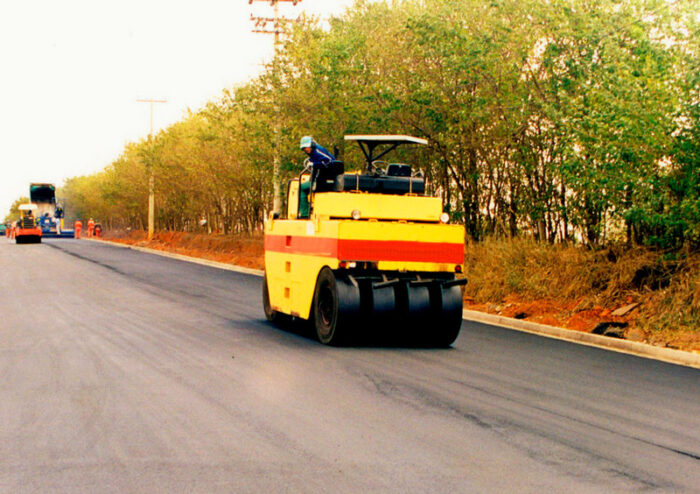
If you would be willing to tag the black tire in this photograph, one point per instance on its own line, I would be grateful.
(336, 307)
(448, 303)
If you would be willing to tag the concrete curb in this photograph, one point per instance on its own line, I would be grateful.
(623, 346)
(669, 355)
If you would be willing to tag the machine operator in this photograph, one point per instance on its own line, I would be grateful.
(320, 158)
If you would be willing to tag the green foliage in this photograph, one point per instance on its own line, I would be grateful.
(13, 215)
(565, 121)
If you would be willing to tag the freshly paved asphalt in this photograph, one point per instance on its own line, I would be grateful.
(122, 371)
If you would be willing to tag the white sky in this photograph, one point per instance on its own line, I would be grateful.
(71, 71)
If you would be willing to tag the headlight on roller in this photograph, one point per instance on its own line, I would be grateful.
(444, 217)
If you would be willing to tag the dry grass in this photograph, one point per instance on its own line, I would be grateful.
(498, 268)
(671, 315)
(578, 287)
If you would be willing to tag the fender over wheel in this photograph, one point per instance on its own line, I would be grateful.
(270, 314)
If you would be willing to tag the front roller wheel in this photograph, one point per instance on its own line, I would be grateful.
(336, 307)
(448, 322)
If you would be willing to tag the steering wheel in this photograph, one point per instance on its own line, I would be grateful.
(376, 169)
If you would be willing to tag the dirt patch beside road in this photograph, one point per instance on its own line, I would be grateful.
(560, 314)
(246, 251)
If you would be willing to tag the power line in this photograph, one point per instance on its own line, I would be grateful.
(260, 26)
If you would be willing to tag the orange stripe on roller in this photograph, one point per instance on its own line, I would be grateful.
(29, 231)
(318, 246)
(367, 250)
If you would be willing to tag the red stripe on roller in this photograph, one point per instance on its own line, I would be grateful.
(29, 231)
(367, 250)
(400, 250)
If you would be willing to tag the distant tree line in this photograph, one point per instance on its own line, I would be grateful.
(559, 119)
(13, 214)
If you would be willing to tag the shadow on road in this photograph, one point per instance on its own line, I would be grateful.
(371, 337)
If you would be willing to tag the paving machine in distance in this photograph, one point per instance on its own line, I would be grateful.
(27, 231)
(371, 255)
(49, 212)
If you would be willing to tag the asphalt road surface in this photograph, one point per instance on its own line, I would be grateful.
(122, 371)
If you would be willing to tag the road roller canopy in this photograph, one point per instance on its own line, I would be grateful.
(369, 143)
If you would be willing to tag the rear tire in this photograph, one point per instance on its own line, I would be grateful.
(336, 307)
(325, 308)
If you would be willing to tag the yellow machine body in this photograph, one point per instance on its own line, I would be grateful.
(366, 254)
(393, 233)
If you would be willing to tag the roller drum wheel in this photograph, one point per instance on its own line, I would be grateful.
(384, 322)
(447, 306)
(28, 239)
(383, 305)
(418, 309)
(336, 308)
(413, 313)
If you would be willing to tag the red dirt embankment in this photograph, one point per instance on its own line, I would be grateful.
(555, 285)
(246, 251)
(561, 314)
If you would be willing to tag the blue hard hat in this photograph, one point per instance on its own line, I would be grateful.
(306, 142)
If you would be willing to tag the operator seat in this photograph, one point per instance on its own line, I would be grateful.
(325, 180)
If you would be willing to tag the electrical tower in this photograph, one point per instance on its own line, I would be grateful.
(261, 26)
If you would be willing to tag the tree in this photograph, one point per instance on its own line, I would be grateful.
(14, 215)
(561, 120)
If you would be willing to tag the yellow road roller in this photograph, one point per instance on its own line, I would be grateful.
(370, 254)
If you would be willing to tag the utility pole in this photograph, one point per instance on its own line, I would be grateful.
(151, 178)
(261, 27)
